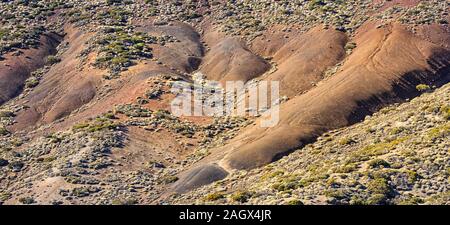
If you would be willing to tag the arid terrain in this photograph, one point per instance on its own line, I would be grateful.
(85, 102)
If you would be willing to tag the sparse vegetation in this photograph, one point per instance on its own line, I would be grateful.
(27, 200)
(169, 179)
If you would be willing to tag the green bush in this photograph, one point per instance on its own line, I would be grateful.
(379, 163)
(3, 162)
(31, 82)
(169, 179)
(336, 193)
(445, 112)
(112, 2)
(101, 123)
(130, 201)
(346, 141)
(423, 87)
(413, 176)
(294, 202)
(379, 186)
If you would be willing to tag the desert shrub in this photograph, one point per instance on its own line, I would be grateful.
(376, 199)
(314, 4)
(285, 186)
(396, 130)
(110, 116)
(80, 126)
(169, 179)
(272, 175)
(357, 200)
(350, 46)
(348, 168)
(99, 124)
(3, 162)
(3, 33)
(16, 142)
(27, 200)
(130, 201)
(289, 183)
(112, 2)
(6, 113)
(439, 132)
(445, 111)
(31, 82)
(3, 130)
(132, 110)
(413, 176)
(119, 49)
(241, 196)
(162, 114)
(52, 60)
(4, 196)
(346, 141)
(412, 200)
(294, 202)
(336, 193)
(379, 186)
(377, 149)
(16, 166)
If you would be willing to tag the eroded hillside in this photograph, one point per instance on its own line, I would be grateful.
(85, 96)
